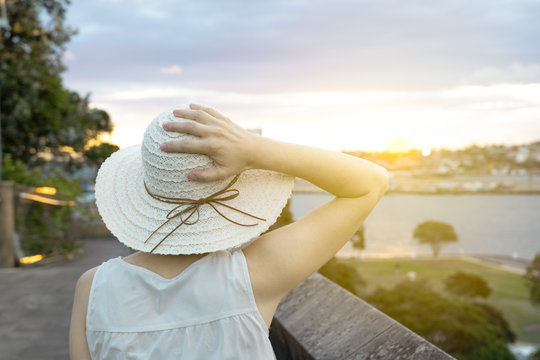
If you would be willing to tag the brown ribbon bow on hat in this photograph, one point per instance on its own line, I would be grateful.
(193, 207)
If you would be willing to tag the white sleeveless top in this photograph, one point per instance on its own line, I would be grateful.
(208, 311)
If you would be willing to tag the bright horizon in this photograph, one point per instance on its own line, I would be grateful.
(335, 120)
(385, 77)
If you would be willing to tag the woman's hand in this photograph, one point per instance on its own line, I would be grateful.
(230, 146)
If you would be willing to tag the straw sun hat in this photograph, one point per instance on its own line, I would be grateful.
(147, 202)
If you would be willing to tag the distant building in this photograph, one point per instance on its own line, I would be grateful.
(522, 154)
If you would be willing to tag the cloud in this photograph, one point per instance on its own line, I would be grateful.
(271, 64)
(453, 117)
(69, 56)
(154, 13)
(513, 73)
(173, 69)
(282, 45)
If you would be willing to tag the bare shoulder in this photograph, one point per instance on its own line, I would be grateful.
(82, 292)
(85, 281)
(78, 346)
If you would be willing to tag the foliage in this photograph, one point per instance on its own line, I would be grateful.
(98, 153)
(535, 355)
(47, 229)
(533, 280)
(343, 274)
(497, 318)
(38, 113)
(358, 240)
(467, 285)
(435, 233)
(44, 229)
(15, 170)
(509, 294)
(460, 328)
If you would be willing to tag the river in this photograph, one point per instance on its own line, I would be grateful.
(494, 224)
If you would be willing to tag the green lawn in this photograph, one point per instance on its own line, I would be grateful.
(509, 292)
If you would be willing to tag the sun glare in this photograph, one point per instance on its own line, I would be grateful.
(105, 137)
(398, 143)
(368, 121)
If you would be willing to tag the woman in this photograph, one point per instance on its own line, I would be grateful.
(194, 291)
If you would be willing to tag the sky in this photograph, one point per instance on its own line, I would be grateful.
(336, 74)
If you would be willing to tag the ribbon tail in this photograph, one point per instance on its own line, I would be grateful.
(238, 210)
(171, 232)
(159, 227)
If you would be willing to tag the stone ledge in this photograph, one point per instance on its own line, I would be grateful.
(331, 323)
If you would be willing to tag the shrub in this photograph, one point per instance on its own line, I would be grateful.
(467, 285)
(44, 228)
(343, 274)
(461, 328)
(47, 229)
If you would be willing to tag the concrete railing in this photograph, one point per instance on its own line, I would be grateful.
(320, 320)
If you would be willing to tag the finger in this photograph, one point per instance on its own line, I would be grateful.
(185, 146)
(209, 110)
(188, 127)
(196, 115)
(205, 175)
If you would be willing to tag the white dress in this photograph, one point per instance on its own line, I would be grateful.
(206, 312)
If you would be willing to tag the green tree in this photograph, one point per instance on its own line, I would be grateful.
(15, 170)
(467, 285)
(496, 317)
(343, 274)
(358, 240)
(38, 113)
(532, 276)
(98, 153)
(461, 328)
(435, 233)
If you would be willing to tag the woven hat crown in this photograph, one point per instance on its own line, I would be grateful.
(146, 200)
(164, 173)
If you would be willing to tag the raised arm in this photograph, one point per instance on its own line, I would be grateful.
(290, 254)
(280, 259)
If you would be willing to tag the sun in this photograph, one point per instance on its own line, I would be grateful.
(398, 143)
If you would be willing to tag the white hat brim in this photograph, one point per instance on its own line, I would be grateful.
(132, 215)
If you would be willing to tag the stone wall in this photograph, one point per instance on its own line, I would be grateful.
(328, 322)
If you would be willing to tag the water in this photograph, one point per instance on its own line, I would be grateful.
(499, 224)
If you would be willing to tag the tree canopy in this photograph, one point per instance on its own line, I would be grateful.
(98, 153)
(343, 274)
(463, 329)
(38, 113)
(467, 285)
(435, 233)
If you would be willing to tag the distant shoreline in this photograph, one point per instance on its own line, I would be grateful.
(516, 266)
(429, 186)
(316, 190)
(500, 192)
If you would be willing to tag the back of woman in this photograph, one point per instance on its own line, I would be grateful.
(194, 199)
(132, 310)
